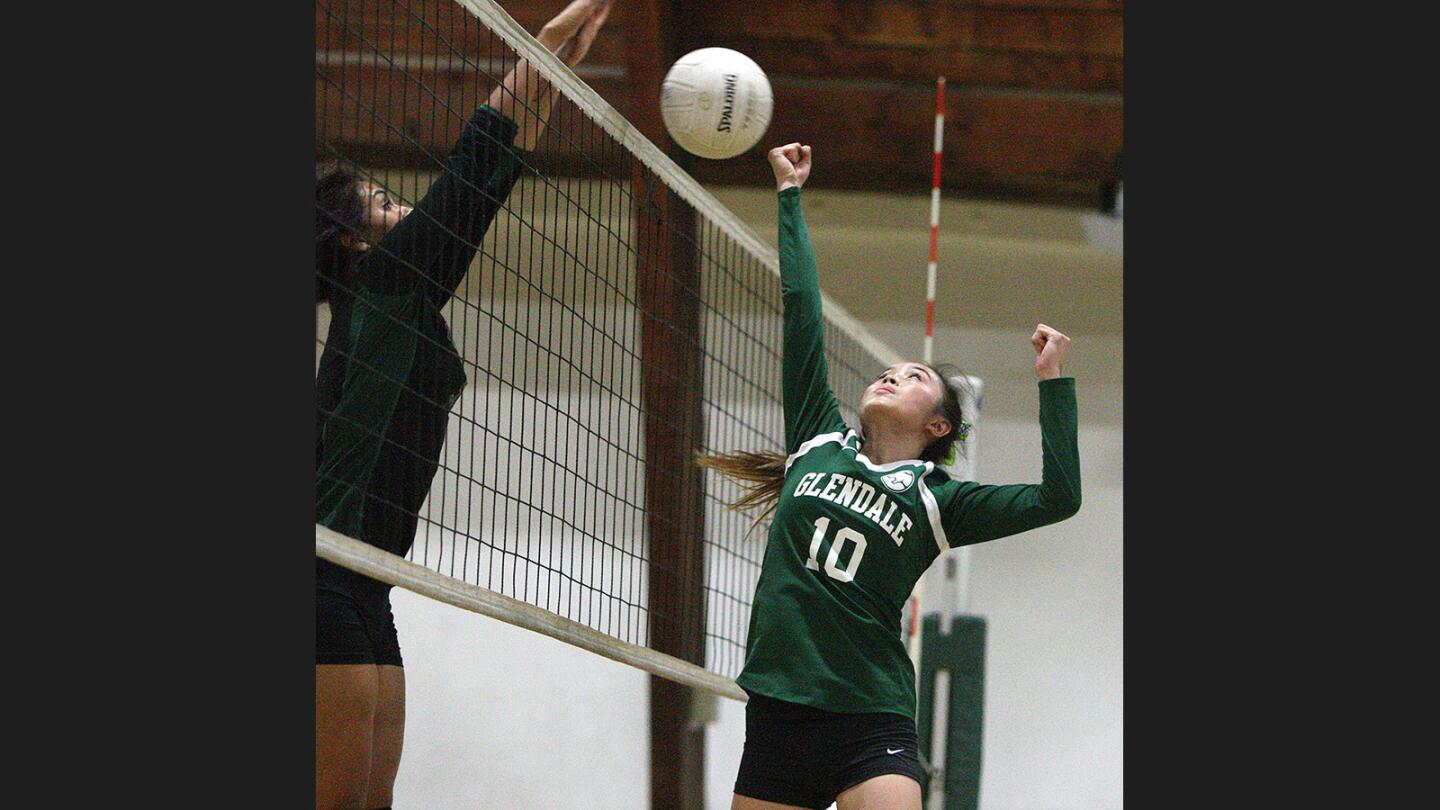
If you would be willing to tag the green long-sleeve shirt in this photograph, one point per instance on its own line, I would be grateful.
(390, 373)
(850, 537)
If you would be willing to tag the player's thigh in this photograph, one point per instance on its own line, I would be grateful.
(746, 803)
(389, 737)
(345, 701)
(890, 791)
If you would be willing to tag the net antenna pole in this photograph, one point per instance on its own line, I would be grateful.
(917, 597)
(934, 220)
(954, 653)
(959, 600)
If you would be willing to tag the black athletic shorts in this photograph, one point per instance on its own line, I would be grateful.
(804, 756)
(353, 622)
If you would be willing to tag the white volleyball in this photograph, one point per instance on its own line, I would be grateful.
(716, 102)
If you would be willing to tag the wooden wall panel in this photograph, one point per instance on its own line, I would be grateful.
(863, 139)
(1034, 109)
(428, 105)
(915, 24)
(999, 69)
(871, 127)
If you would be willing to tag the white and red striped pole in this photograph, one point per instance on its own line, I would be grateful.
(913, 640)
(934, 219)
(939, 730)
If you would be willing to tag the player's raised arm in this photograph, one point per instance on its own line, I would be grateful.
(810, 407)
(981, 512)
(436, 242)
(523, 96)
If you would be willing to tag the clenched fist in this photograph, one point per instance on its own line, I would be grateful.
(791, 164)
(1050, 350)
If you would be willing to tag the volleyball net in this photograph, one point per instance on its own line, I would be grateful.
(615, 319)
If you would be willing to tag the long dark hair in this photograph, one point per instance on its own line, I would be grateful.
(761, 474)
(954, 385)
(339, 210)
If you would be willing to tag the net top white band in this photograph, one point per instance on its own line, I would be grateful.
(382, 565)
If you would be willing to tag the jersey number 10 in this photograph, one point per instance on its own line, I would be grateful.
(847, 574)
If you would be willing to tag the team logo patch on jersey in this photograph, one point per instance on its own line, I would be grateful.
(899, 481)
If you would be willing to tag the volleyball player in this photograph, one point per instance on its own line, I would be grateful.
(858, 517)
(385, 385)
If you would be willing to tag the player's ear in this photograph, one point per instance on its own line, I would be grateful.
(939, 426)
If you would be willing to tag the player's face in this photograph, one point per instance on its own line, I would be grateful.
(382, 211)
(906, 394)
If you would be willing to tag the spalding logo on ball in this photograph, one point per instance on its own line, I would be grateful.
(716, 102)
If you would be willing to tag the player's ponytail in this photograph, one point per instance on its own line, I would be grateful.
(759, 473)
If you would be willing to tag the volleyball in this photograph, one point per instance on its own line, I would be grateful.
(716, 102)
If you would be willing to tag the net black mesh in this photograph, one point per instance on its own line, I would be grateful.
(607, 328)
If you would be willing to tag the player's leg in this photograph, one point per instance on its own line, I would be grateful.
(347, 692)
(345, 698)
(891, 791)
(389, 736)
(880, 766)
(746, 803)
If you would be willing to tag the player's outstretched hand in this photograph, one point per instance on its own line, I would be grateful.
(791, 164)
(569, 34)
(1050, 350)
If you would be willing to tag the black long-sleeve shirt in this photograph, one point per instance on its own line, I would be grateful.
(390, 372)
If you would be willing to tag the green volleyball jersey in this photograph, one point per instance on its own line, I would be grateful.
(850, 537)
